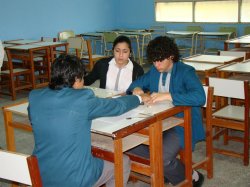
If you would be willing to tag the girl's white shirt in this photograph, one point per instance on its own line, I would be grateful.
(125, 76)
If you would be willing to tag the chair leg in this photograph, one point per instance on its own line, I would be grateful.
(226, 137)
(13, 91)
(246, 149)
(209, 151)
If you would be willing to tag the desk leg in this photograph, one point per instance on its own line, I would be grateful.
(9, 131)
(188, 145)
(118, 162)
(226, 46)
(156, 158)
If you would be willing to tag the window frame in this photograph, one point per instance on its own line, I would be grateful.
(193, 11)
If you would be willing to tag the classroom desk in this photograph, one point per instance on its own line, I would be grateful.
(237, 42)
(212, 59)
(20, 41)
(119, 131)
(185, 35)
(27, 53)
(207, 64)
(205, 68)
(213, 36)
(242, 69)
(53, 47)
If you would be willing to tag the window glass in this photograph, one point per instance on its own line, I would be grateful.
(218, 11)
(174, 11)
(212, 11)
(245, 11)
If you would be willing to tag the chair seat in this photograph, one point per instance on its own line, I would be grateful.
(17, 70)
(231, 112)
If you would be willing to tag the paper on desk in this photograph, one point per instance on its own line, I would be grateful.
(109, 125)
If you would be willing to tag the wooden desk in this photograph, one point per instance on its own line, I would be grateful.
(20, 42)
(237, 42)
(121, 132)
(212, 59)
(213, 36)
(185, 35)
(207, 64)
(240, 70)
(27, 53)
(53, 46)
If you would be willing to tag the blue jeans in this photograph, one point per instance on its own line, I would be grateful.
(174, 169)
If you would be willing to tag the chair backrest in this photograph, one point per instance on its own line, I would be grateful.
(227, 87)
(194, 28)
(76, 45)
(48, 39)
(19, 168)
(233, 30)
(233, 53)
(247, 30)
(64, 35)
(157, 30)
(209, 95)
(109, 37)
(75, 42)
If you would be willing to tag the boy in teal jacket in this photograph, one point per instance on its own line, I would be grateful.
(170, 79)
(61, 117)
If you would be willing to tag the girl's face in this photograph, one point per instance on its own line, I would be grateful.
(121, 53)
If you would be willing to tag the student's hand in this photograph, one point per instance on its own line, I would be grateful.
(156, 97)
(138, 91)
(146, 99)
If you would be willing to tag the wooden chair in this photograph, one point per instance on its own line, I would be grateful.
(207, 162)
(88, 56)
(82, 49)
(229, 116)
(108, 39)
(15, 78)
(64, 35)
(20, 168)
(141, 166)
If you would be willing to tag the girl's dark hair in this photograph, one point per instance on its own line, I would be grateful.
(161, 48)
(64, 71)
(121, 39)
